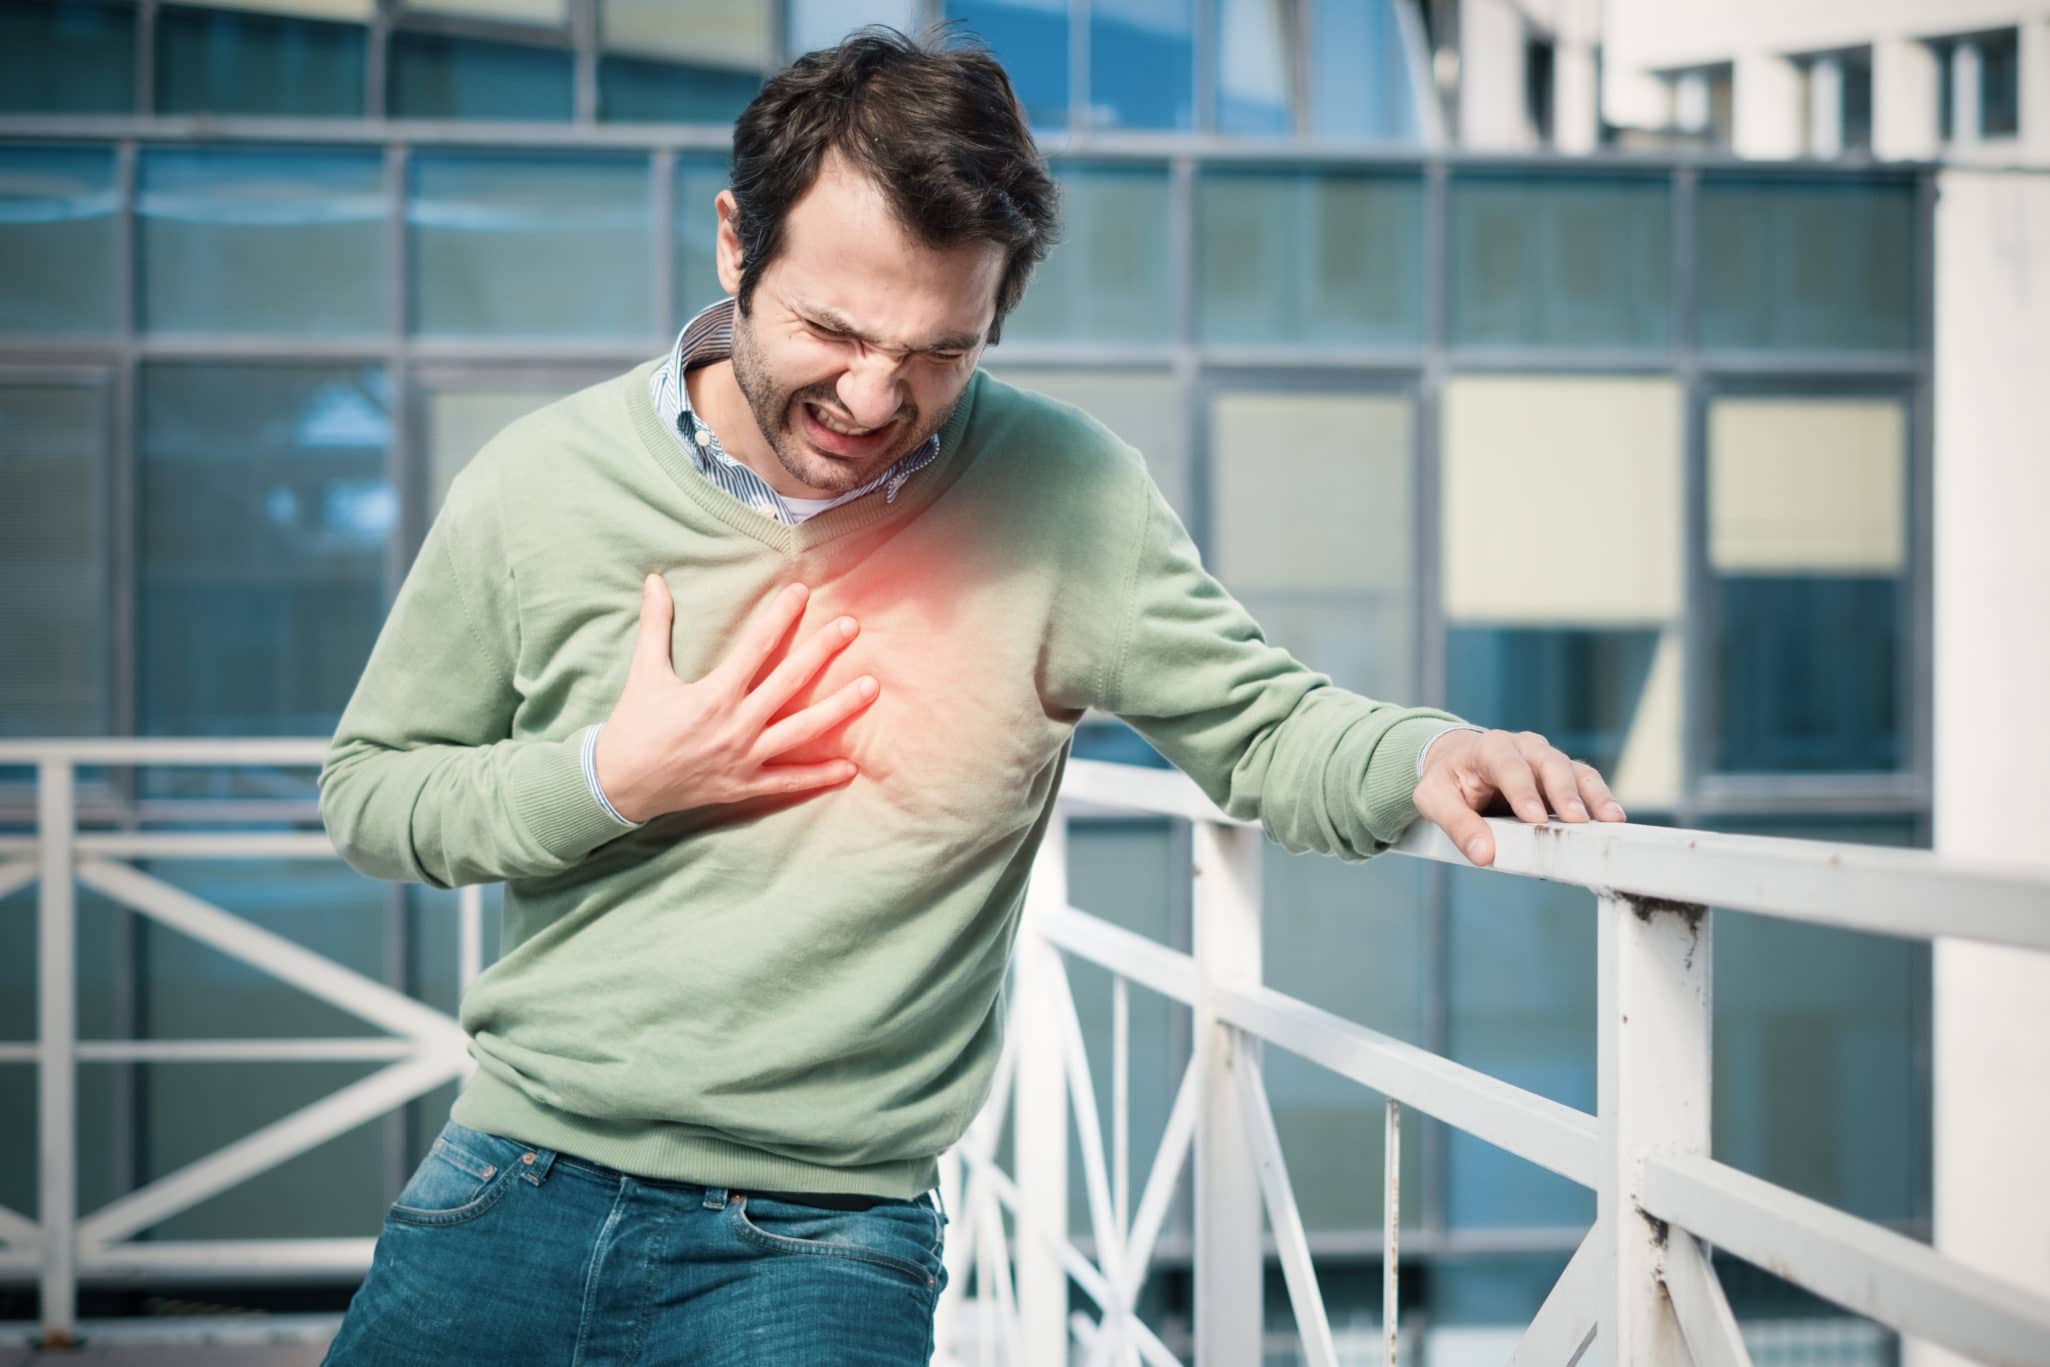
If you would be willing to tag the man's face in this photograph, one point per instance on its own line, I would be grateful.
(859, 339)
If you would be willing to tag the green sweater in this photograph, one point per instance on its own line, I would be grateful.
(804, 996)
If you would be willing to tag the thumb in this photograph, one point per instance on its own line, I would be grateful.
(1442, 801)
(651, 646)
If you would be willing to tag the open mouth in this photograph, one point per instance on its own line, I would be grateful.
(838, 438)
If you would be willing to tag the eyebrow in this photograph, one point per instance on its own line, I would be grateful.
(834, 322)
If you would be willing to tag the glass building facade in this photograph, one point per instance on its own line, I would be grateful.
(1630, 452)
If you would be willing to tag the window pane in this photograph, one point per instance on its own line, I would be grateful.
(1539, 260)
(1855, 109)
(634, 91)
(1143, 407)
(822, 23)
(228, 62)
(1142, 64)
(265, 511)
(2000, 84)
(1359, 77)
(1311, 511)
(57, 240)
(1332, 1130)
(67, 58)
(1817, 1032)
(53, 556)
(698, 183)
(1587, 651)
(262, 240)
(683, 61)
(434, 76)
(491, 233)
(1254, 88)
(1304, 258)
(1030, 38)
(1807, 264)
(1111, 277)
(1521, 1007)
(1808, 545)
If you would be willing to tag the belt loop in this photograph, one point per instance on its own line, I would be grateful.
(715, 1198)
(535, 1163)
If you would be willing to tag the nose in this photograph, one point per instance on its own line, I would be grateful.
(868, 388)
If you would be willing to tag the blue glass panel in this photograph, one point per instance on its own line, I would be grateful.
(57, 240)
(67, 58)
(1030, 38)
(1540, 260)
(1309, 257)
(434, 76)
(1807, 263)
(696, 219)
(542, 244)
(262, 240)
(1252, 67)
(1579, 687)
(635, 90)
(1110, 278)
(265, 512)
(1817, 1036)
(1142, 71)
(1521, 960)
(814, 24)
(212, 61)
(1360, 83)
(1807, 674)
(54, 560)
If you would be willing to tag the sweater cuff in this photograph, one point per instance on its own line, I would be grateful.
(553, 801)
(1392, 771)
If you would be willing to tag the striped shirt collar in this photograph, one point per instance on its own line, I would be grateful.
(706, 338)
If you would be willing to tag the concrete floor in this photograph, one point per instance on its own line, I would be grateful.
(242, 1341)
(170, 1355)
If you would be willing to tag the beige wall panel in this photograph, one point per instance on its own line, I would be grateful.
(721, 33)
(1145, 409)
(1807, 486)
(1648, 770)
(346, 11)
(1311, 491)
(1562, 500)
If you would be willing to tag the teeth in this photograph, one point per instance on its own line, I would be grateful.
(829, 424)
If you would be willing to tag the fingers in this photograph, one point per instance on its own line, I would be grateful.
(797, 669)
(1505, 765)
(761, 637)
(778, 779)
(1599, 799)
(651, 644)
(810, 723)
(1439, 800)
(1561, 784)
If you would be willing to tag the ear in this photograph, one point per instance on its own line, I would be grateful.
(727, 247)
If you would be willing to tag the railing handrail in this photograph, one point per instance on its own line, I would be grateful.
(1912, 894)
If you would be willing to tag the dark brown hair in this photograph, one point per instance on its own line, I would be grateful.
(931, 120)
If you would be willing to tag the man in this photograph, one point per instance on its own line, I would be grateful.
(752, 674)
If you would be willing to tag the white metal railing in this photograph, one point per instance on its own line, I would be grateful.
(1639, 1289)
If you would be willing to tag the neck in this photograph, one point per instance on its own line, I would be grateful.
(716, 399)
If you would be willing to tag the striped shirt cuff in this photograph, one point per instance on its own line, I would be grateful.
(1425, 753)
(590, 763)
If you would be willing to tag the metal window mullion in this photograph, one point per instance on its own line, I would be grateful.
(146, 57)
(1078, 66)
(1203, 51)
(583, 19)
(402, 452)
(377, 60)
(1698, 601)
(662, 270)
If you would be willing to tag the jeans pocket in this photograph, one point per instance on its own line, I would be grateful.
(903, 1236)
(465, 1173)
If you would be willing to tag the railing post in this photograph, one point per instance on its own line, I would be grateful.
(1653, 1095)
(1230, 1265)
(1039, 1115)
(57, 1045)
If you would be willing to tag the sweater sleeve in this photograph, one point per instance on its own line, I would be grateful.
(423, 781)
(1265, 736)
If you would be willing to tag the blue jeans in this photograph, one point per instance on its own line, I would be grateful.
(502, 1252)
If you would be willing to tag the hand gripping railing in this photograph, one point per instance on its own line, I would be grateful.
(1640, 1288)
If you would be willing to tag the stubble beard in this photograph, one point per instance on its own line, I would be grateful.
(774, 413)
